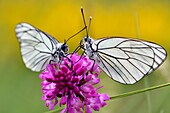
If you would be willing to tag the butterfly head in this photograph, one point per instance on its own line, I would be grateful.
(64, 48)
(61, 49)
(87, 39)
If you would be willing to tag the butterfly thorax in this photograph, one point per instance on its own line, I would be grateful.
(89, 50)
(60, 51)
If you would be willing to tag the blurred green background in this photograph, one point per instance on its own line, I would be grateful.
(20, 90)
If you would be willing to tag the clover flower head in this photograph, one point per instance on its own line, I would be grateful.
(71, 83)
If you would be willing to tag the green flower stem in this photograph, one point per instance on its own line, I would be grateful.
(55, 111)
(84, 108)
(139, 91)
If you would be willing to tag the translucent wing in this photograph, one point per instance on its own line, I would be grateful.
(128, 60)
(36, 46)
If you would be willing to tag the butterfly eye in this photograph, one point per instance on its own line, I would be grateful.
(85, 39)
(64, 48)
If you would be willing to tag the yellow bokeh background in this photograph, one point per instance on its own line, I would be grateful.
(20, 90)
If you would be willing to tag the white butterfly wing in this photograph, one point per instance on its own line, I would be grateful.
(36, 46)
(128, 60)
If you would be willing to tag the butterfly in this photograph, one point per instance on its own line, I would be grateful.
(124, 60)
(38, 48)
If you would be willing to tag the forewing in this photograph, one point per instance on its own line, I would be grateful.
(36, 46)
(128, 60)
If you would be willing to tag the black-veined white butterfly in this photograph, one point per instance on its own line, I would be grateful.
(125, 60)
(38, 48)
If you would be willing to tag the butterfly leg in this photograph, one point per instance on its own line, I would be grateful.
(68, 57)
(79, 47)
(92, 65)
(52, 62)
(76, 50)
(80, 56)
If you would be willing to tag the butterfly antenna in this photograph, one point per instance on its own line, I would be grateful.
(80, 44)
(88, 29)
(82, 12)
(65, 41)
(75, 34)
